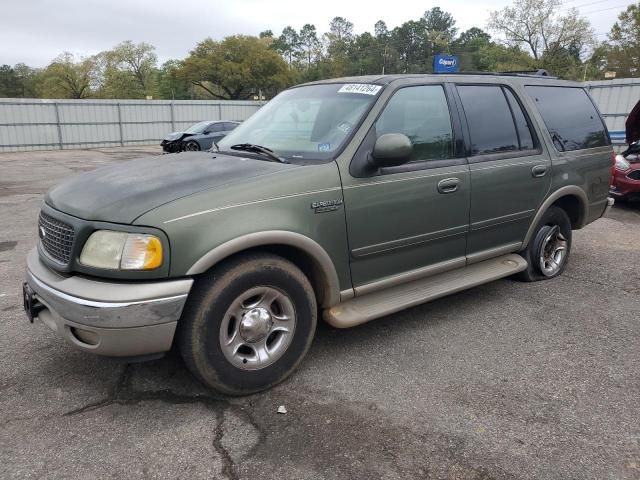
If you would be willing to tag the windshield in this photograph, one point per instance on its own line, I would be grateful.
(198, 127)
(306, 122)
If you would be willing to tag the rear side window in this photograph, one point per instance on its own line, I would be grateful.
(523, 127)
(570, 117)
(489, 118)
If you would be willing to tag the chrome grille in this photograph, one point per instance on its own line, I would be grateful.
(56, 237)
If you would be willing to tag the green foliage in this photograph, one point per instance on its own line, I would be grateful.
(130, 69)
(170, 83)
(556, 40)
(68, 77)
(235, 68)
(623, 55)
(19, 81)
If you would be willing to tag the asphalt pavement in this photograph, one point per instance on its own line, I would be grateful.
(508, 380)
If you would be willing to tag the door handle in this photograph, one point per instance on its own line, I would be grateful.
(539, 170)
(448, 185)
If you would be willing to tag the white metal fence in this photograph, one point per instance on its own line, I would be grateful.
(33, 124)
(615, 99)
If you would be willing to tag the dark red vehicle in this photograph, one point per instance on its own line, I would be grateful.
(625, 181)
(625, 178)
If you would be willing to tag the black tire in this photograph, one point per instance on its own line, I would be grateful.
(200, 328)
(192, 146)
(554, 217)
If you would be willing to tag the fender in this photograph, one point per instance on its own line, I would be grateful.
(569, 190)
(276, 237)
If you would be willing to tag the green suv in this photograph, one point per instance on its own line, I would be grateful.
(349, 199)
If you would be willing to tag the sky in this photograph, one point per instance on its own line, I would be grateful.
(36, 31)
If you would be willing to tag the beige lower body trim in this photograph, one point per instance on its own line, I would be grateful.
(493, 252)
(364, 308)
(410, 276)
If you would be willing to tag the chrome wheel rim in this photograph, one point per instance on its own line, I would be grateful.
(191, 147)
(257, 328)
(553, 252)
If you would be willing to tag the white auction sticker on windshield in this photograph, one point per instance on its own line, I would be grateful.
(364, 88)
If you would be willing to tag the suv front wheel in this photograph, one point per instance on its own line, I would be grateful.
(248, 324)
(548, 251)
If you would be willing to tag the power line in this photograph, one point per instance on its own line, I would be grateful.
(588, 4)
(605, 9)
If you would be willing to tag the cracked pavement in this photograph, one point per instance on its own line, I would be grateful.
(508, 380)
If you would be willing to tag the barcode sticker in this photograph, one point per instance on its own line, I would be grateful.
(364, 88)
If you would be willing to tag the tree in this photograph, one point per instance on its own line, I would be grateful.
(9, 84)
(408, 40)
(19, 81)
(624, 43)
(473, 36)
(288, 44)
(541, 28)
(131, 62)
(235, 68)
(170, 84)
(309, 42)
(440, 29)
(341, 29)
(338, 41)
(494, 57)
(468, 47)
(68, 77)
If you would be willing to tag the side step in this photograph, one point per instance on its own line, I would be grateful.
(391, 300)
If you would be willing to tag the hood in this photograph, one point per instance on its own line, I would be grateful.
(122, 192)
(174, 136)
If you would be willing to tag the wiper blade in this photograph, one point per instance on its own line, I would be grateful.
(250, 147)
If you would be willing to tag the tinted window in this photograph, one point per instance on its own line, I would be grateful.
(215, 127)
(230, 125)
(524, 129)
(572, 120)
(489, 118)
(422, 114)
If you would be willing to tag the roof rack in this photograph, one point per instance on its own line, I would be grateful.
(514, 73)
(538, 72)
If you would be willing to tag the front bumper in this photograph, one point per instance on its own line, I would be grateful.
(108, 318)
(171, 146)
(625, 187)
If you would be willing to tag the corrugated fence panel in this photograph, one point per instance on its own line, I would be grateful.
(615, 99)
(190, 112)
(35, 124)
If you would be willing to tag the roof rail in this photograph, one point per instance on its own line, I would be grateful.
(514, 73)
(538, 72)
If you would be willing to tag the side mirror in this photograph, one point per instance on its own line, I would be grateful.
(206, 132)
(391, 149)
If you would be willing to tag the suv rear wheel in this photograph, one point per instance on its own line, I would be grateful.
(548, 251)
(248, 324)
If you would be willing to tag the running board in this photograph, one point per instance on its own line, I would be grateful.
(394, 299)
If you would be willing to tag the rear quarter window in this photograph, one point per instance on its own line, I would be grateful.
(570, 117)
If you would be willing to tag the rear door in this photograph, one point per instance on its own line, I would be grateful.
(509, 170)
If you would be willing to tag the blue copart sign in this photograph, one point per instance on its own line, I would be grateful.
(445, 63)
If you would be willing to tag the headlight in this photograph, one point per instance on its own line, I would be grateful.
(622, 164)
(122, 251)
